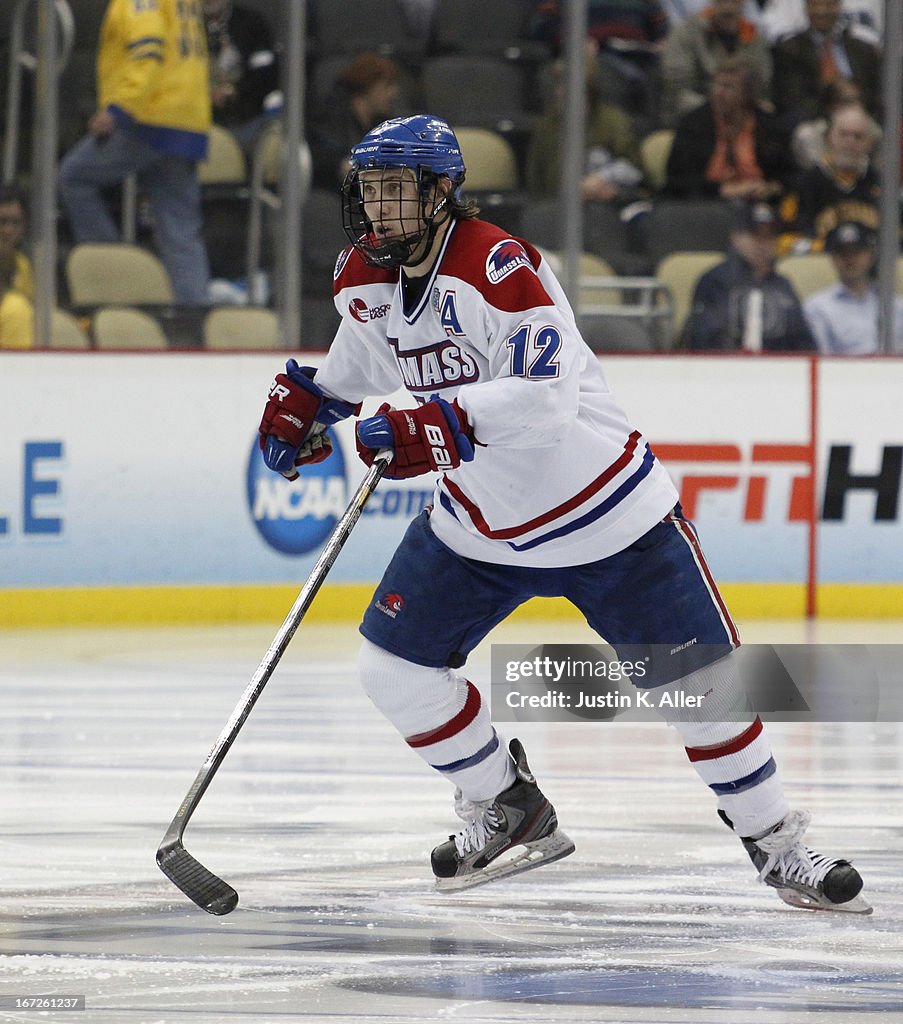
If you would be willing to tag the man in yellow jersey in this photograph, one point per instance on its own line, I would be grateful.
(152, 120)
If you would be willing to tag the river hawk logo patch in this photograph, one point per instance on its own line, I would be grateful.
(390, 604)
(504, 258)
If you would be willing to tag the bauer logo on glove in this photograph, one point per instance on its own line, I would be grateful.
(429, 439)
(440, 453)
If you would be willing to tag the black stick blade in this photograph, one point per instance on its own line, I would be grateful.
(201, 886)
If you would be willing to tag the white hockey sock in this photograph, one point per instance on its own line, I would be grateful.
(740, 769)
(733, 757)
(442, 717)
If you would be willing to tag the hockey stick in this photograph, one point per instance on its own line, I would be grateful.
(199, 884)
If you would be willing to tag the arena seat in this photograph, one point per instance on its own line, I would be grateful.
(124, 327)
(241, 327)
(111, 273)
(808, 272)
(66, 332)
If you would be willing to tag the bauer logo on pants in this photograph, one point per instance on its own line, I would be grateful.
(297, 516)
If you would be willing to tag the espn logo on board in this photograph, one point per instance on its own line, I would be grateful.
(775, 480)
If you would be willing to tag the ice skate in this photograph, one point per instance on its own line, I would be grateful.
(802, 877)
(520, 819)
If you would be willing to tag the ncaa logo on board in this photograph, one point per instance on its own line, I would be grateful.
(296, 516)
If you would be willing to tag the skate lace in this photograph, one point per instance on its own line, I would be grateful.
(468, 809)
(480, 830)
(789, 857)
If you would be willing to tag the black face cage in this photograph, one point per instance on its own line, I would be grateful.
(398, 250)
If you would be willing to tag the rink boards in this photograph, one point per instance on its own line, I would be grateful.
(131, 487)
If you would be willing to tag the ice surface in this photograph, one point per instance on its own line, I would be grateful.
(323, 820)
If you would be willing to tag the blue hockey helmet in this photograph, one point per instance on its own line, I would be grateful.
(422, 144)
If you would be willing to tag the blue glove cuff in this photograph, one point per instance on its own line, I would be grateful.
(331, 409)
(279, 455)
(462, 441)
(376, 432)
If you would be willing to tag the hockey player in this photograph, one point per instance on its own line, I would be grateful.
(544, 489)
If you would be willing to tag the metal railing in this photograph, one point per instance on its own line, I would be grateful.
(645, 300)
(268, 172)
(20, 61)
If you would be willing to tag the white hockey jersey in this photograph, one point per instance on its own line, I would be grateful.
(559, 476)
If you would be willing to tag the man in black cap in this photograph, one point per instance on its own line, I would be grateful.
(844, 317)
(742, 303)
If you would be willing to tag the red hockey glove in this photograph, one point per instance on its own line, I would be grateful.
(295, 418)
(429, 439)
(292, 406)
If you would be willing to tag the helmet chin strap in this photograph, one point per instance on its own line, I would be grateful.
(429, 235)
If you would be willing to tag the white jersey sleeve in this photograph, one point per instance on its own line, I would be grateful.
(359, 363)
(533, 396)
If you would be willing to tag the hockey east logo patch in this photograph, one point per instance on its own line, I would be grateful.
(390, 604)
(504, 258)
(364, 313)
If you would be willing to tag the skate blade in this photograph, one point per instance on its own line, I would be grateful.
(531, 855)
(857, 905)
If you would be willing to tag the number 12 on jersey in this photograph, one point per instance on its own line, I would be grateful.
(534, 355)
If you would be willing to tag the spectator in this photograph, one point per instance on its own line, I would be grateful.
(729, 147)
(366, 93)
(780, 19)
(13, 221)
(697, 45)
(244, 73)
(844, 317)
(152, 121)
(16, 313)
(612, 170)
(844, 176)
(756, 11)
(627, 21)
(627, 35)
(742, 303)
(809, 140)
(825, 51)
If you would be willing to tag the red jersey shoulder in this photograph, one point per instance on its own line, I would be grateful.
(352, 270)
(500, 266)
